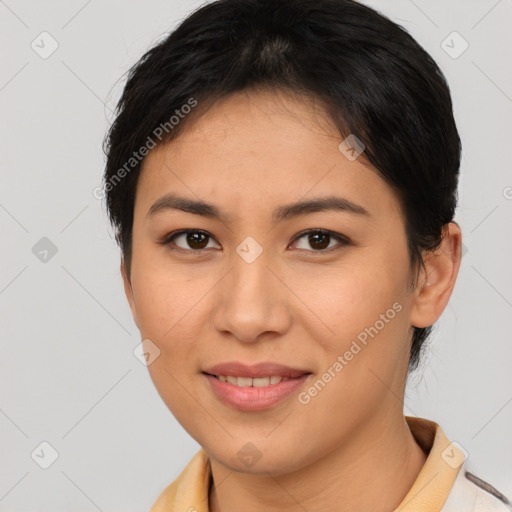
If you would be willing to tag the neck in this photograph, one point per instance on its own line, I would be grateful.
(374, 470)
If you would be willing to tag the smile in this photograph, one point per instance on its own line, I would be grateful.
(257, 382)
(254, 393)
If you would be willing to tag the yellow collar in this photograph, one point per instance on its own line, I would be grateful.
(190, 491)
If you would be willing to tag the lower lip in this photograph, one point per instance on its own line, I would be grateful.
(251, 398)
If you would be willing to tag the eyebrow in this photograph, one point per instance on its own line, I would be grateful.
(281, 213)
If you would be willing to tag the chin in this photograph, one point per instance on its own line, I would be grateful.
(260, 459)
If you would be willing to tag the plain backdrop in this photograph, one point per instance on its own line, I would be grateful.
(69, 377)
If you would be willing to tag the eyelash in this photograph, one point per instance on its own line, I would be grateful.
(342, 240)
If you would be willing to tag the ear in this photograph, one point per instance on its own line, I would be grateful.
(129, 291)
(436, 282)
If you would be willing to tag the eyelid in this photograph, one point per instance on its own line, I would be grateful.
(341, 239)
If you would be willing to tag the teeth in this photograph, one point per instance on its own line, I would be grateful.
(244, 381)
(258, 382)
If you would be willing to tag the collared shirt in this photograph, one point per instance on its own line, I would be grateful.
(446, 483)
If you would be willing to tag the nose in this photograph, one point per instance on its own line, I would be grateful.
(252, 302)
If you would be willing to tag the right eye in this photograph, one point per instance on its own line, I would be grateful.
(192, 240)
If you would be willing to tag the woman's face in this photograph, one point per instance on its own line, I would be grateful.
(250, 288)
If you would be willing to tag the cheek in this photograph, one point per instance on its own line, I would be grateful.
(366, 289)
(168, 299)
(365, 304)
(172, 313)
(363, 361)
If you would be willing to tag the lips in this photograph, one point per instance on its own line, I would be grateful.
(254, 387)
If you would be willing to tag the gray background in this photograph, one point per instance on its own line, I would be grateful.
(68, 373)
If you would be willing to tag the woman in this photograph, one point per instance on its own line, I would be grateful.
(282, 177)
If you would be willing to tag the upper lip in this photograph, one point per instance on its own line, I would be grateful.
(264, 369)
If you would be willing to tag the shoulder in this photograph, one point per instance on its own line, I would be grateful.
(470, 493)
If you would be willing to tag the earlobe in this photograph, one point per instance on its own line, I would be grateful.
(128, 290)
(437, 278)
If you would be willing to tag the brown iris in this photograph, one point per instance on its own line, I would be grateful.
(197, 240)
(319, 240)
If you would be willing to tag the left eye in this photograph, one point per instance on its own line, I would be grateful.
(320, 240)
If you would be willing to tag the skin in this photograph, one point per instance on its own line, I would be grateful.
(294, 305)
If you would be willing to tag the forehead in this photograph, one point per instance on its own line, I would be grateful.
(257, 148)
